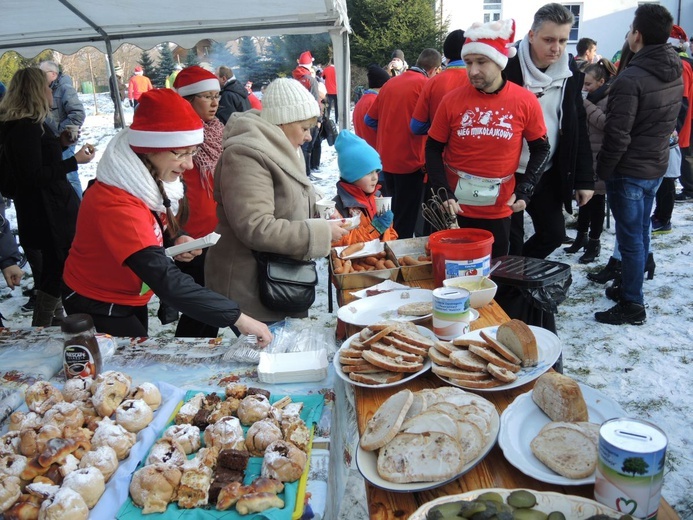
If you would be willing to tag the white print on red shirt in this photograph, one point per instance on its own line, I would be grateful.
(480, 123)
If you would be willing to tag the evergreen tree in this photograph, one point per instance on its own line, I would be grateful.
(381, 26)
(166, 64)
(191, 58)
(148, 67)
(295, 44)
(220, 55)
(248, 66)
(11, 62)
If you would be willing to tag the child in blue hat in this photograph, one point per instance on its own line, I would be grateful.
(357, 189)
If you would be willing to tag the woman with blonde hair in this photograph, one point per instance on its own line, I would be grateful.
(35, 177)
(117, 261)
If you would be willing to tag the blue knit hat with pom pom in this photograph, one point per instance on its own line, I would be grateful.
(356, 158)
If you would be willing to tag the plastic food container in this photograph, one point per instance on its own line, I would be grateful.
(479, 294)
(460, 252)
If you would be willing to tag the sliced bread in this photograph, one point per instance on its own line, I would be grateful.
(394, 352)
(386, 422)
(391, 364)
(431, 421)
(413, 338)
(567, 451)
(457, 373)
(418, 405)
(518, 337)
(439, 358)
(491, 356)
(560, 398)
(500, 349)
(501, 373)
(377, 378)
(468, 361)
(420, 457)
(488, 382)
(403, 345)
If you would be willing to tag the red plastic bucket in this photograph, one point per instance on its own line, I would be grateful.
(460, 252)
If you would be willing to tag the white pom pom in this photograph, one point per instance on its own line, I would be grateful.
(512, 52)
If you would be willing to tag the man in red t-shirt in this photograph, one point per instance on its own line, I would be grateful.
(475, 140)
(401, 152)
(330, 77)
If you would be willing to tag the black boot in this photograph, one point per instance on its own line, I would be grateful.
(613, 292)
(610, 271)
(623, 313)
(650, 266)
(591, 251)
(581, 241)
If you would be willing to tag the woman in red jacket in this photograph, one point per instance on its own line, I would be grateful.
(201, 89)
(117, 260)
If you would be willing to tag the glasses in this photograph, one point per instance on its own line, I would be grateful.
(184, 155)
(208, 97)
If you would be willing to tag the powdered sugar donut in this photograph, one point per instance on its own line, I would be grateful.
(41, 396)
(108, 433)
(64, 415)
(253, 408)
(226, 433)
(77, 389)
(167, 451)
(149, 393)
(260, 435)
(88, 482)
(20, 421)
(9, 491)
(187, 435)
(283, 461)
(134, 415)
(12, 464)
(66, 504)
(154, 486)
(103, 458)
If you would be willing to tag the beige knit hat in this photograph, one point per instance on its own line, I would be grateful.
(287, 101)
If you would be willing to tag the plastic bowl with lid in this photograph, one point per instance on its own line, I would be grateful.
(481, 289)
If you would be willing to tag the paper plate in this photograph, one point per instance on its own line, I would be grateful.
(522, 420)
(382, 307)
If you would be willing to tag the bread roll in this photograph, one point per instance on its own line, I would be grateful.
(519, 338)
(560, 398)
(386, 422)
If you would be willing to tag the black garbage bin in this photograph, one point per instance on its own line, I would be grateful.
(531, 289)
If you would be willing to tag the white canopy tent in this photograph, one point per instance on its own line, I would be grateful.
(30, 26)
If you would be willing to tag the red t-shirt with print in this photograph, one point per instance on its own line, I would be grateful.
(400, 150)
(203, 208)
(483, 134)
(111, 226)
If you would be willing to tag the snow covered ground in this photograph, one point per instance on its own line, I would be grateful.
(647, 369)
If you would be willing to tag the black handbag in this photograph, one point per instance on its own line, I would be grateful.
(286, 284)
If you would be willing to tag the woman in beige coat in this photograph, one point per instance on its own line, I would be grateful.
(265, 201)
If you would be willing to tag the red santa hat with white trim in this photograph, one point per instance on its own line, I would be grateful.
(164, 121)
(195, 79)
(493, 40)
(306, 59)
(678, 38)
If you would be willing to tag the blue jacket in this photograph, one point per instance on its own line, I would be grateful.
(67, 109)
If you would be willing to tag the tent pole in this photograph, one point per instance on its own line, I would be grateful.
(111, 68)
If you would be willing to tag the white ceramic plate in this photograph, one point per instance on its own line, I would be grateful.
(575, 508)
(548, 345)
(367, 463)
(381, 307)
(522, 420)
(338, 366)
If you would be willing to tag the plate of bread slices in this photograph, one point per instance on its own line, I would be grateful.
(496, 358)
(422, 440)
(552, 432)
(385, 354)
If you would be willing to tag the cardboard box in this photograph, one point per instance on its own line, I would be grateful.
(414, 247)
(365, 278)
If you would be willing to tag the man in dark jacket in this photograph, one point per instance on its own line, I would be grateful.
(234, 96)
(644, 102)
(544, 68)
(67, 110)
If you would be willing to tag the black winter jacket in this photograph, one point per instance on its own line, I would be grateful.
(573, 156)
(46, 203)
(234, 98)
(644, 102)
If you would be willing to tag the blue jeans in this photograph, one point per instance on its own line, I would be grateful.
(631, 201)
(73, 177)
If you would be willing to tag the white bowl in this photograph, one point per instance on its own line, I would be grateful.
(478, 297)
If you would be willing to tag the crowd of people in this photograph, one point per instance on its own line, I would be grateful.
(205, 154)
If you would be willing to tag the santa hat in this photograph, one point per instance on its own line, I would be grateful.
(287, 101)
(138, 70)
(492, 40)
(355, 157)
(195, 79)
(677, 37)
(306, 59)
(164, 121)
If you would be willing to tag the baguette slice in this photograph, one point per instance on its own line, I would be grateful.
(567, 451)
(413, 338)
(407, 347)
(490, 356)
(438, 358)
(391, 364)
(445, 347)
(387, 421)
(468, 361)
(394, 352)
(560, 398)
(378, 336)
(377, 378)
(519, 338)
(420, 457)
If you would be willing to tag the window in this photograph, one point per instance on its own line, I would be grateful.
(575, 29)
(492, 10)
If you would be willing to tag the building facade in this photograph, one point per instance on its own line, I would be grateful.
(605, 21)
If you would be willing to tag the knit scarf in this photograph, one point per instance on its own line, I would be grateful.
(208, 154)
(122, 168)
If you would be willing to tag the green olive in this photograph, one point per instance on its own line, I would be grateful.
(529, 514)
(556, 515)
(522, 499)
(492, 496)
